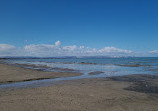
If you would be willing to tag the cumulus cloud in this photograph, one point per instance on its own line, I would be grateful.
(114, 50)
(42, 50)
(58, 43)
(70, 48)
(56, 49)
(73, 50)
(154, 51)
(6, 49)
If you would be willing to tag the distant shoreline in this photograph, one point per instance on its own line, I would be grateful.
(66, 57)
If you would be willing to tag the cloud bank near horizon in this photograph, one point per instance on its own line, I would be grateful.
(51, 50)
(154, 52)
(6, 49)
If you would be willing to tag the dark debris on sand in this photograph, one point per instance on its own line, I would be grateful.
(141, 83)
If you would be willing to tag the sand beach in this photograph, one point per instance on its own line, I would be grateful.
(127, 93)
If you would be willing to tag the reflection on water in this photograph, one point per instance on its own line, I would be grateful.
(88, 66)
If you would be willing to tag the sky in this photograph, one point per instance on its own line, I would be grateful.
(78, 27)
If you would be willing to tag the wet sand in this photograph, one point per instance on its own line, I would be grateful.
(122, 93)
(10, 73)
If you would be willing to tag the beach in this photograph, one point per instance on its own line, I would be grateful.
(78, 55)
(10, 73)
(136, 92)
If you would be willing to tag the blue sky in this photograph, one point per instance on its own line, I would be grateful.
(122, 24)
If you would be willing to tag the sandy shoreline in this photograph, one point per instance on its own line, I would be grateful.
(10, 73)
(125, 93)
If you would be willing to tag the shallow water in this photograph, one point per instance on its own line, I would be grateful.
(108, 67)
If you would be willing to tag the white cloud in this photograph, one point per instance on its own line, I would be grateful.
(6, 49)
(57, 43)
(82, 47)
(154, 51)
(56, 49)
(114, 50)
(70, 48)
(42, 50)
(40, 47)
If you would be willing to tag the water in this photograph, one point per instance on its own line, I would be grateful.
(85, 65)
(107, 67)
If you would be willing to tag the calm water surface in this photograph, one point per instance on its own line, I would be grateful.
(108, 67)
